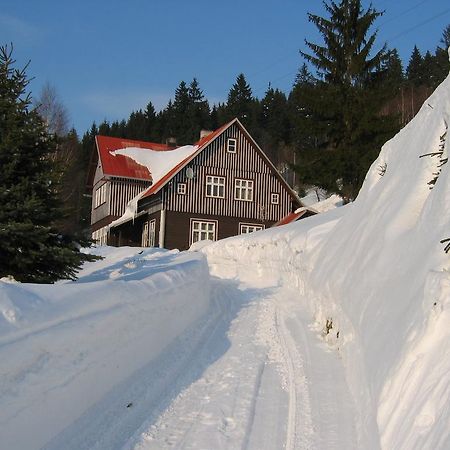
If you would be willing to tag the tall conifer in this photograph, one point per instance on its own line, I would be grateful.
(345, 100)
(31, 247)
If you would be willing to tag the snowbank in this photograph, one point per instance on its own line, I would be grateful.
(377, 279)
(63, 347)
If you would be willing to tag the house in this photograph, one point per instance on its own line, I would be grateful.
(148, 194)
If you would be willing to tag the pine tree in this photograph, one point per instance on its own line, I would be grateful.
(274, 123)
(415, 71)
(344, 102)
(240, 100)
(32, 249)
(344, 59)
(305, 127)
(150, 129)
(180, 122)
(198, 111)
(393, 70)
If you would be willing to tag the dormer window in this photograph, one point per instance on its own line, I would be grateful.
(231, 145)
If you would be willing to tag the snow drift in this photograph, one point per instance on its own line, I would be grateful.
(376, 277)
(66, 347)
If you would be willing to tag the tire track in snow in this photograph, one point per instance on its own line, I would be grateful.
(299, 425)
(252, 411)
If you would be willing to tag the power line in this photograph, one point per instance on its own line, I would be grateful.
(403, 13)
(443, 13)
(420, 24)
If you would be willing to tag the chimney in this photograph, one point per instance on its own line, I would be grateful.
(204, 133)
(171, 141)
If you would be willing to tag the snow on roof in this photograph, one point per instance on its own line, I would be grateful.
(332, 202)
(120, 165)
(158, 163)
(161, 165)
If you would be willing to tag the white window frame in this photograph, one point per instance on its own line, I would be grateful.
(250, 227)
(181, 188)
(203, 229)
(243, 189)
(100, 195)
(275, 198)
(148, 233)
(215, 186)
(231, 145)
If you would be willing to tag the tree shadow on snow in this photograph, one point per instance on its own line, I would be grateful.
(140, 266)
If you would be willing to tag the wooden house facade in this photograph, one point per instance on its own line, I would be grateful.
(225, 186)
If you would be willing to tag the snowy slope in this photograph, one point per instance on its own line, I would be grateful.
(376, 278)
(384, 278)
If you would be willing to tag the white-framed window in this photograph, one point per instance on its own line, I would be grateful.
(231, 145)
(181, 188)
(202, 230)
(100, 196)
(243, 190)
(245, 228)
(148, 233)
(274, 198)
(215, 186)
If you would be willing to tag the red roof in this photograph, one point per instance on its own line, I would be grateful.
(123, 166)
(291, 217)
(298, 214)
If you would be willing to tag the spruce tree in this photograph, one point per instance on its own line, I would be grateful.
(150, 129)
(240, 100)
(274, 123)
(181, 122)
(393, 70)
(32, 249)
(345, 58)
(345, 100)
(198, 111)
(415, 71)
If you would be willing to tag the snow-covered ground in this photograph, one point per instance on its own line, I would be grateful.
(331, 332)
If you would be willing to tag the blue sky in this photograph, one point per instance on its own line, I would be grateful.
(107, 58)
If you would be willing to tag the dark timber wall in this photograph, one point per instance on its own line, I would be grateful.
(178, 227)
(247, 163)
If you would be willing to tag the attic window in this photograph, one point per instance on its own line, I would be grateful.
(181, 188)
(274, 198)
(231, 145)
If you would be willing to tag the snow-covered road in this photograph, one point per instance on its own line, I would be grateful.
(250, 374)
(253, 389)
